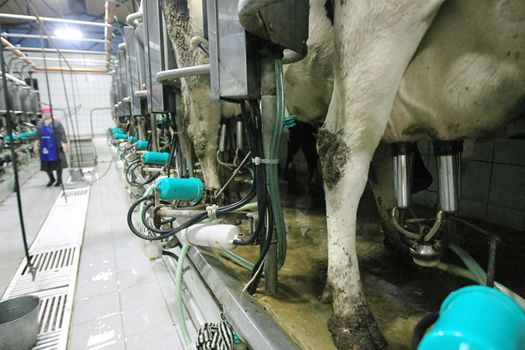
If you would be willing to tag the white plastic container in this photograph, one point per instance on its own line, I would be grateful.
(211, 235)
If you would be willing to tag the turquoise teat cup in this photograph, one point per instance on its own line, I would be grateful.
(477, 318)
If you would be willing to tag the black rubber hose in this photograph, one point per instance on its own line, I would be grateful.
(170, 157)
(145, 220)
(258, 187)
(252, 288)
(129, 170)
(170, 254)
(422, 327)
(195, 219)
(255, 142)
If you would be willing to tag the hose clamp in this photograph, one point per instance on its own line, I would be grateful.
(258, 161)
(212, 211)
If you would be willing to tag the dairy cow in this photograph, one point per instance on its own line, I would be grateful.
(405, 70)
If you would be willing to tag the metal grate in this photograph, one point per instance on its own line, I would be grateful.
(51, 260)
(47, 341)
(75, 193)
(51, 313)
(55, 254)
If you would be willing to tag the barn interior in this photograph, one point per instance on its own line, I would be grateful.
(198, 208)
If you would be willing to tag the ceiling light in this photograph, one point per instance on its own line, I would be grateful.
(68, 34)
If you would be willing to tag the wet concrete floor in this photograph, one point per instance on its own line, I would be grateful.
(398, 292)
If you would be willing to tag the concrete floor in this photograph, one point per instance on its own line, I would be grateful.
(37, 201)
(123, 300)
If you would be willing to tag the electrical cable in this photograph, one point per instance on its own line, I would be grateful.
(14, 160)
(76, 136)
(42, 30)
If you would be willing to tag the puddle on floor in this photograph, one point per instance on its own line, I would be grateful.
(398, 292)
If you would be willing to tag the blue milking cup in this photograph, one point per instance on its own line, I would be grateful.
(477, 318)
(171, 189)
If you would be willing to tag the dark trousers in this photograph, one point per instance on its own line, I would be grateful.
(52, 178)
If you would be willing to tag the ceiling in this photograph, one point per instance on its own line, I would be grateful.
(84, 10)
(68, 8)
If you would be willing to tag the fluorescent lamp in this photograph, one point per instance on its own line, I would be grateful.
(68, 34)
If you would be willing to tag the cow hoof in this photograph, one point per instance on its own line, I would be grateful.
(358, 331)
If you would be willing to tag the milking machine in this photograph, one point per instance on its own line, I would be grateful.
(473, 317)
(244, 41)
(23, 111)
(426, 244)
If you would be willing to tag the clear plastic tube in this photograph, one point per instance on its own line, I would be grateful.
(178, 294)
(481, 276)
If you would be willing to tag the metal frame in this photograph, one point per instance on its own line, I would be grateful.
(50, 19)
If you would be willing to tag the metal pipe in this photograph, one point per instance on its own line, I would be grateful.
(131, 18)
(91, 119)
(222, 138)
(52, 37)
(73, 70)
(448, 191)
(14, 50)
(51, 50)
(141, 93)
(177, 213)
(69, 59)
(109, 17)
(239, 136)
(50, 19)
(401, 157)
(172, 74)
(21, 55)
(15, 79)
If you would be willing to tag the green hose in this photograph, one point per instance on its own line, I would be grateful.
(178, 294)
(273, 175)
(239, 260)
(247, 207)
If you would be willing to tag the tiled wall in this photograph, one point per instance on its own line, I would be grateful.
(493, 182)
(88, 91)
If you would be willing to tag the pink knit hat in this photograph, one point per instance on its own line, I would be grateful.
(46, 109)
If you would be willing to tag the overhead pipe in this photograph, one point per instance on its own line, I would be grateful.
(52, 37)
(52, 50)
(50, 19)
(15, 50)
(82, 60)
(73, 70)
(132, 18)
(172, 74)
(15, 79)
(109, 18)
(28, 60)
